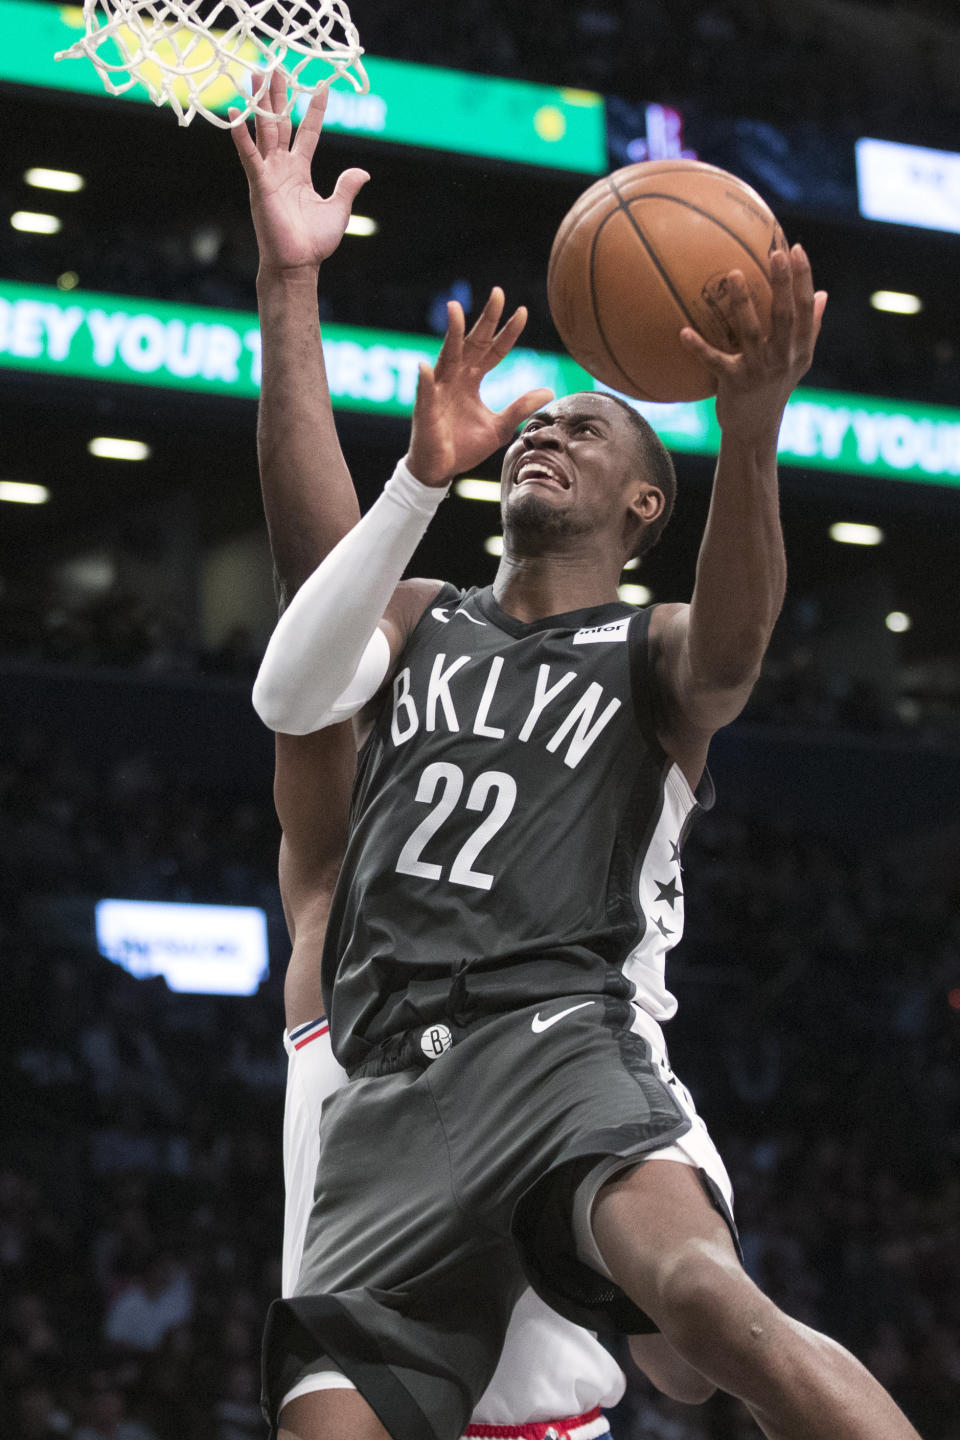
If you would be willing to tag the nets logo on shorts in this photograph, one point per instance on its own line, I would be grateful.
(435, 1040)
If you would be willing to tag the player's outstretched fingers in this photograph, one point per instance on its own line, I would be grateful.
(485, 325)
(278, 104)
(519, 410)
(743, 313)
(264, 131)
(784, 308)
(244, 141)
(264, 126)
(809, 302)
(426, 386)
(507, 336)
(715, 360)
(348, 187)
(451, 351)
(308, 131)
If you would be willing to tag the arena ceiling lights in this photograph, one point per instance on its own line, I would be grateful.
(848, 532)
(896, 302)
(22, 492)
(66, 181)
(33, 222)
(113, 447)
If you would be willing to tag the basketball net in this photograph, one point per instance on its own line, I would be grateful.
(195, 62)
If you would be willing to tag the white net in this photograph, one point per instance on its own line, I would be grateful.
(199, 56)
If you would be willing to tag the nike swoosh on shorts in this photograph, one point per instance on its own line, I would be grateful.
(538, 1026)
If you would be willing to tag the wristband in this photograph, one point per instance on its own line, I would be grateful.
(405, 490)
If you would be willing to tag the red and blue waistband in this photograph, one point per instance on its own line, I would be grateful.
(305, 1033)
(591, 1426)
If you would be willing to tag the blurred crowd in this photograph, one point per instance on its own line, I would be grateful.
(140, 1189)
(799, 689)
(140, 1184)
(114, 627)
(787, 60)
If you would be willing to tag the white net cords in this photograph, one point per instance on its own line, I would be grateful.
(185, 61)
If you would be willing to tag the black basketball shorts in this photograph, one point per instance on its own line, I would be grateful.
(442, 1191)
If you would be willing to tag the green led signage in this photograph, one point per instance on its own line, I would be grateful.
(107, 337)
(831, 430)
(407, 104)
(217, 352)
(474, 115)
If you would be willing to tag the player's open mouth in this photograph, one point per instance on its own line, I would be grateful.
(530, 470)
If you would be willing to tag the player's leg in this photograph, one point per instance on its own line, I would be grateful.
(329, 1415)
(671, 1251)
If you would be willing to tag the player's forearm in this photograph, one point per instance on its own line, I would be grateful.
(308, 494)
(327, 657)
(741, 568)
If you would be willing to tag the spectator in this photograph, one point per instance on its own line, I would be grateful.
(150, 1305)
(104, 1408)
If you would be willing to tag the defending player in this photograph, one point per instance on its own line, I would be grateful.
(551, 1373)
(495, 960)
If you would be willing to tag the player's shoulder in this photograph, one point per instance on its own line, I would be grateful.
(666, 611)
(434, 602)
(417, 594)
(666, 620)
(407, 605)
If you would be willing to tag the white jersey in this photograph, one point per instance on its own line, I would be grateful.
(548, 1368)
(659, 894)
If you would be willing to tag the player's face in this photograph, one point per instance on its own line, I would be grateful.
(571, 468)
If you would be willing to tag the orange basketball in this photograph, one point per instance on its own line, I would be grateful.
(646, 251)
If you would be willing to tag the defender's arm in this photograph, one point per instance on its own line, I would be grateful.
(313, 780)
(308, 493)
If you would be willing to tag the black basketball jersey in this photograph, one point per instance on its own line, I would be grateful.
(515, 829)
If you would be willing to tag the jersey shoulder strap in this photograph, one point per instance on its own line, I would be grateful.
(643, 680)
(449, 595)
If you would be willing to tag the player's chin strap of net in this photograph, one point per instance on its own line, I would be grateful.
(201, 63)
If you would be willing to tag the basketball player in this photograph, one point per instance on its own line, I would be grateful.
(552, 1375)
(494, 962)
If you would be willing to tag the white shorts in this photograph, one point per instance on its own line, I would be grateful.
(695, 1148)
(548, 1367)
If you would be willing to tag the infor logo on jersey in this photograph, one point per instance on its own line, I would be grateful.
(599, 634)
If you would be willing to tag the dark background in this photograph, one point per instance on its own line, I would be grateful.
(820, 976)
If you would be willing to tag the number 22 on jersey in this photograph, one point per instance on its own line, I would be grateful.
(441, 787)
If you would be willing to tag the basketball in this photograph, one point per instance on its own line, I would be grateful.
(646, 251)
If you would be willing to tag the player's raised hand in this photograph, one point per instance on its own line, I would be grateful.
(452, 427)
(755, 383)
(296, 228)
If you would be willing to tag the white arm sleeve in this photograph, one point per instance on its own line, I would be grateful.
(327, 658)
